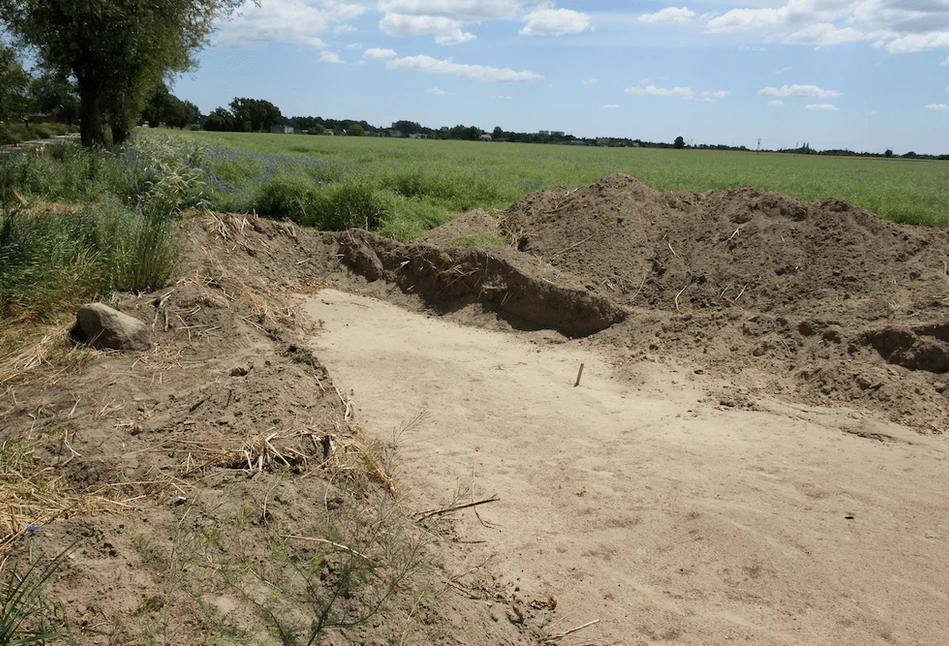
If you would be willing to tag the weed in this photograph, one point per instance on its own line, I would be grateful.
(28, 615)
(479, 239)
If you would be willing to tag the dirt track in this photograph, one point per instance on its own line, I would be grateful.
(650, 508)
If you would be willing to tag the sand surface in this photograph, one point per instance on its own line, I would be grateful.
(640, 502)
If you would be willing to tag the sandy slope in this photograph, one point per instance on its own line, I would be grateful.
(648, 507)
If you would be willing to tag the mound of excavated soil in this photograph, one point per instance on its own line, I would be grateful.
(820, 298)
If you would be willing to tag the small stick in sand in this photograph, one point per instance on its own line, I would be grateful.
(579, 374)
(448, 510)
(671, 249)
(557, 638)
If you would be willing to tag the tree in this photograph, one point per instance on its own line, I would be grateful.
(678, 143)
(14, 87)
(56, 94)
(888, 153)
(254, 115)
(355, 130)
(117, 50)
(498, 133)
(407, 127)
(163, 107)
(219, 121)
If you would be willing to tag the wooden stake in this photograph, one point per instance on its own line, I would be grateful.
(579, 374)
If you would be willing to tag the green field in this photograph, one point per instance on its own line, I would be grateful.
(429, 178)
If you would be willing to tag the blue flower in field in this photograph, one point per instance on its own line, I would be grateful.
(32, 528)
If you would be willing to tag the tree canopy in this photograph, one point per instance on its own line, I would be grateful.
(117, 50)
(14, 87)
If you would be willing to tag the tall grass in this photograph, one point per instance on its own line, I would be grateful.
(111, 227)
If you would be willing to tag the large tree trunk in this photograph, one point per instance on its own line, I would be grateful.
(90, 113)
(120, 128)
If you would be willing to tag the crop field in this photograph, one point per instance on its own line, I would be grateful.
(402, 187)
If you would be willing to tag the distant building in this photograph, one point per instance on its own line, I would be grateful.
(486, 137)
(396, 133)
(544, 132)
(282, 130)
(556, 133)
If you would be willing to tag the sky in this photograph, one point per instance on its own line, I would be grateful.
(866, 75)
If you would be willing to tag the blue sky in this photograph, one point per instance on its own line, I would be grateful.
(865, 75)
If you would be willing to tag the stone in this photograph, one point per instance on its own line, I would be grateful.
(104, 327)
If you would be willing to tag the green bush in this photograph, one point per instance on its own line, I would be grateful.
(330, 207)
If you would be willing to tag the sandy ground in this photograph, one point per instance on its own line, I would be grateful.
(637, 501)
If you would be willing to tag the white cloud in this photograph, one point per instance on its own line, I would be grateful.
(446, 30)
(330, 57)
(547, 21)
(353, 46)
(669, 14)
(464, 11)
(436, 91)
(711, 96)
(447, 66)
(501, 97)
(871, 113)
(787, 68)
(343, 29)
(938, 107)
(808, 91)
(445, 19)
(590, 81)
(901, 26)
(747, 48)
(651, 90)
(288, 21)
(918, 42)
(738, 19)
(775, 103)
(821, 106)
(945, 63)
(824, 33)
(376, 53)
(610, 106)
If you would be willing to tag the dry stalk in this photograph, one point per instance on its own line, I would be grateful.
(447, 510)
(556, 638)
(573, 246)
(678, 295)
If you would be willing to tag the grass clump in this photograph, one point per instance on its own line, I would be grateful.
(478, 239)
(77, 224)
(27, 614)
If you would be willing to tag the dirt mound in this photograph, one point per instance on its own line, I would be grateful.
(813, 297)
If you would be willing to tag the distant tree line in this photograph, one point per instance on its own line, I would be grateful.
(23, 93)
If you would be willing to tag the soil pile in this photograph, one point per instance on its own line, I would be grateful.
(820, 298)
